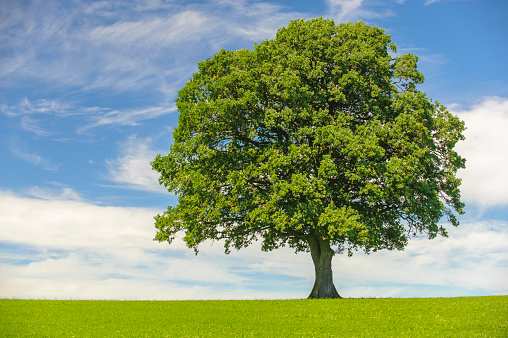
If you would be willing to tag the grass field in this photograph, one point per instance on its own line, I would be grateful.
(392, 317)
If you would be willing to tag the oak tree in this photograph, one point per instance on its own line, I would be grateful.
(318, 139)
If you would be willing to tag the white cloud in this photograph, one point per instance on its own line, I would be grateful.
(68, 224)
(344, 7)
(132, 168)
(352, 10)
(63, 248)
(473, 258)
(73, 249)
(485, 178)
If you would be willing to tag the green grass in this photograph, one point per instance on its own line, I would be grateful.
(392, 317)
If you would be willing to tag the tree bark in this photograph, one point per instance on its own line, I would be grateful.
(322, 254)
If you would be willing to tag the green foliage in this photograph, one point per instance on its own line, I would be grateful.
(319, 133)
(431, 317)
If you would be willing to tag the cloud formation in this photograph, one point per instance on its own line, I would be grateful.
(184, 27)
(19, 150)
(485, 179)
(132, 169)
(126, 117)
(125, 46)
(353, 10)
(52, 248)
(53, 118)
(61, 248)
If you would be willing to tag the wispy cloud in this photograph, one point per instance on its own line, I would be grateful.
(430, 2)
(58, 192)
(34, 126)
(132, 169)
(38, 117)
(352, 10)
(18, 150)
(344, 8)
(54, 118)
(125, 46)
(43, 106)
(127, 117)
(187, 26)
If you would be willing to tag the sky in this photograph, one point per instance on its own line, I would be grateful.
(87, 100)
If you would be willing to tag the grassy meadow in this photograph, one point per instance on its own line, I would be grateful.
(391, 317)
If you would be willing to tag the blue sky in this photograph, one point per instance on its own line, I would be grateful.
(87, 92)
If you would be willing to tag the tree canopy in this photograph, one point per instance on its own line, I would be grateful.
(318, 139)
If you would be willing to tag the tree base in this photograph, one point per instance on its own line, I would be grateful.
(322, 255)
(324, 294)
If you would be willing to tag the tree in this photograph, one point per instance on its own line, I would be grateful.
(317, 139)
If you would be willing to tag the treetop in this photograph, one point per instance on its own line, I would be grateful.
(318, 133)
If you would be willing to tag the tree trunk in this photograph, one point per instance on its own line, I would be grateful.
(322, 255)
